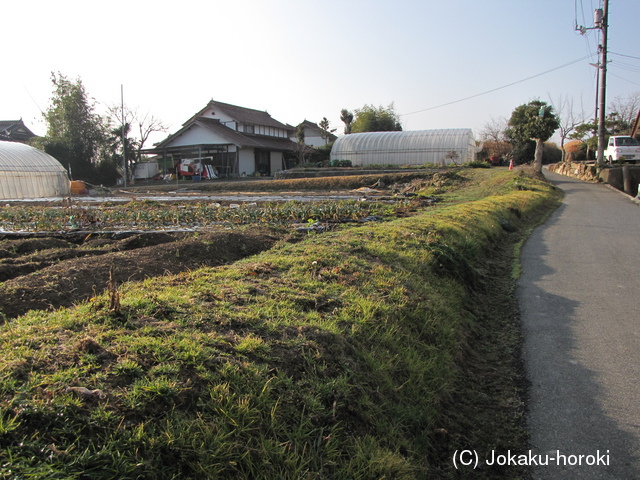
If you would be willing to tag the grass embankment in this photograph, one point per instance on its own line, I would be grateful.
(369, 352)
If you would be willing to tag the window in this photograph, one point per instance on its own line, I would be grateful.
(248, 129)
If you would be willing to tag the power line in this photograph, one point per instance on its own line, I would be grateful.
(499, 88)
(627, 67)
(622, 78)
(623, 55)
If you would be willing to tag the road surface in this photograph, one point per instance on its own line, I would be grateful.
(579, 295)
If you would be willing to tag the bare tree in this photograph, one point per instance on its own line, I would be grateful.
(569, 118)
(143, 124)
(147, 125)
(452, 155)
(626, 110)
(493, 132)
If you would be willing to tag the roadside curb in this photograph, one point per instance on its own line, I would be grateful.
(635, 200)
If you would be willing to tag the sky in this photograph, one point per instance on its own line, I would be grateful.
(442, 64)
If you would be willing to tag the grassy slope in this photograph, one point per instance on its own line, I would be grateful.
(361, 353)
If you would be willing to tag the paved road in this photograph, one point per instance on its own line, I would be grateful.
(580, 299)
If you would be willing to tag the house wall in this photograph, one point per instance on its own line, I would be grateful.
(312, 139)
(226, 120)
(262, 130)
(197, 136)
(246, 161)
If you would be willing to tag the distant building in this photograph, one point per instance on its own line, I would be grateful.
(313, 135)
(15, 131)
(233, 140)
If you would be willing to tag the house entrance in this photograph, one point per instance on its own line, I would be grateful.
(263, 162)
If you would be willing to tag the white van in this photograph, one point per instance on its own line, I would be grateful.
(622, 149)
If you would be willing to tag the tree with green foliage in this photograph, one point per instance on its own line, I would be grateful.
(372, 119)
(301, 147)
(532, 122)
(76, 135)
(115, 150)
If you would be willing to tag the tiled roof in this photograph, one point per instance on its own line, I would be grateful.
(15, 130)
(248, 116)
(234, 137)
(244, 139)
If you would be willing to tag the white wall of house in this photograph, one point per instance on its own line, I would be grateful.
(246, 161)
(225, 119)
(314, 140)
(197, 135)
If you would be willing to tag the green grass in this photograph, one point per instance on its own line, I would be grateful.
(339, 356)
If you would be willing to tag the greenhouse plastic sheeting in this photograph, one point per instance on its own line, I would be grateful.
(26, 172)
(417, 147)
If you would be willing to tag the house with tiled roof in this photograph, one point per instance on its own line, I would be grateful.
(314, 136)
(235, 141)
(15, 131)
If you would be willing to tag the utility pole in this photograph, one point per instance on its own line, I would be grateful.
(602, 22)
(595, 116)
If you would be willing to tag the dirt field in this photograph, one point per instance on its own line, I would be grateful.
(59, 271)
(48, 272)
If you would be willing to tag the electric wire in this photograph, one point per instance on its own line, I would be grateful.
(622, 78)
(624, 67)
(623, 55)
(499, 88)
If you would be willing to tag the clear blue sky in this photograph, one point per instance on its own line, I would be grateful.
(308, 59)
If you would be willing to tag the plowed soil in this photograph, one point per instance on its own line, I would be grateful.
(58, 271)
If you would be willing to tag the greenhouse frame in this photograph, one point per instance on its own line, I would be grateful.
(418, 147)
(26, 172)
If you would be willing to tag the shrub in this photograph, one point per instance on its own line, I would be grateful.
(478, 164)
(341, 163)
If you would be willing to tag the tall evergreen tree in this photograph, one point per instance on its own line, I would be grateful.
(76, 135)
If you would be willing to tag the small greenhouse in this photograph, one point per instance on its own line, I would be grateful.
(440, 147)
(26, 172)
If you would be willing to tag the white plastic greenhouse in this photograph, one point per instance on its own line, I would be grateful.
(440, 147)
(26, 172)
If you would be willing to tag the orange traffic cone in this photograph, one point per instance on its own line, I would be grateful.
(511, 164)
